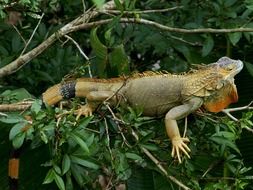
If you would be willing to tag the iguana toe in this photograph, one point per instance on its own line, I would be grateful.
(180, 146)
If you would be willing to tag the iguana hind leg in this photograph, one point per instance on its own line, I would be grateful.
(93, 100)
(179, 143)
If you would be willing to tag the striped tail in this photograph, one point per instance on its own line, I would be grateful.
(58, 92)
(14, 169)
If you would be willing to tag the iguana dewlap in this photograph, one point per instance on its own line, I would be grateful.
(174, 96)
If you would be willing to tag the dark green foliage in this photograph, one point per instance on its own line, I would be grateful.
(63, 153)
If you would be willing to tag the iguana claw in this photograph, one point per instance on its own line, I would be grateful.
(179, 145)
(85, 110)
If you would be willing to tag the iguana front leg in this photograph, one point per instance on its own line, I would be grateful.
(178, 143)
(93, 100)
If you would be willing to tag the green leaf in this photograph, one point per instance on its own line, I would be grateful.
(45, 76)
(249, 4)
(43, 137)
(224, 142)
(151, 147)
(83, 123)
(16, 43)
(99, 48)
(99, 3)
(78, 173)
(100, 52)
(133, 156)
(229, 3)
(119, 6)
(49, 177)
(59, 181)
(36, 106)
(119, 60)
(90, 140)
(80, 141)
(84, 163)
(16, 129)
(234, 37)
(65, 163)
(207, 46)
(69, 184)
(249, 68)
(21, 94)
(12, 118)
(57, 169)
(18, 140)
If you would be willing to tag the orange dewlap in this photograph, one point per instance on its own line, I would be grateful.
(13, 168)
(219, 104)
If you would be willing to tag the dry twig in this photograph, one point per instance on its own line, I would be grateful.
(31, 37)
(228, 110)
(144, 11)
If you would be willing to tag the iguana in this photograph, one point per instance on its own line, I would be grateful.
(159, 93)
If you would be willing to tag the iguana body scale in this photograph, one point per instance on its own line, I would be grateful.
(158, 93)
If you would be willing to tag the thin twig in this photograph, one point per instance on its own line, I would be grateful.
(121, 121)
(23, 39)
(78, 47)
(82, 53)
(108, 139)
(184, 41)
(228, 110)
(31, 37)
(248, 129)
(144, 11)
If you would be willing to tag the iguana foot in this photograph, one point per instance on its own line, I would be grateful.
(85, 110)
(179, 145)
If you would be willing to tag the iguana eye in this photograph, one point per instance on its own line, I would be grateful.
(230, 67)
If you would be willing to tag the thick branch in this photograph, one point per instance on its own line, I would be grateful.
(21, 106)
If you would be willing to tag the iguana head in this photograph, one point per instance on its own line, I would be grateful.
(228, 67)
(214, 83)
(225, 91)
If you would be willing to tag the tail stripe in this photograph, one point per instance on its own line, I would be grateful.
(68, 90)
(14, 169)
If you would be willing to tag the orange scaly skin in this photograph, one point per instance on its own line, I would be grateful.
(158, 93)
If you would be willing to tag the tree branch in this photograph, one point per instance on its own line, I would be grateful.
(20, 106)
(81, 23)
(24, 59)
